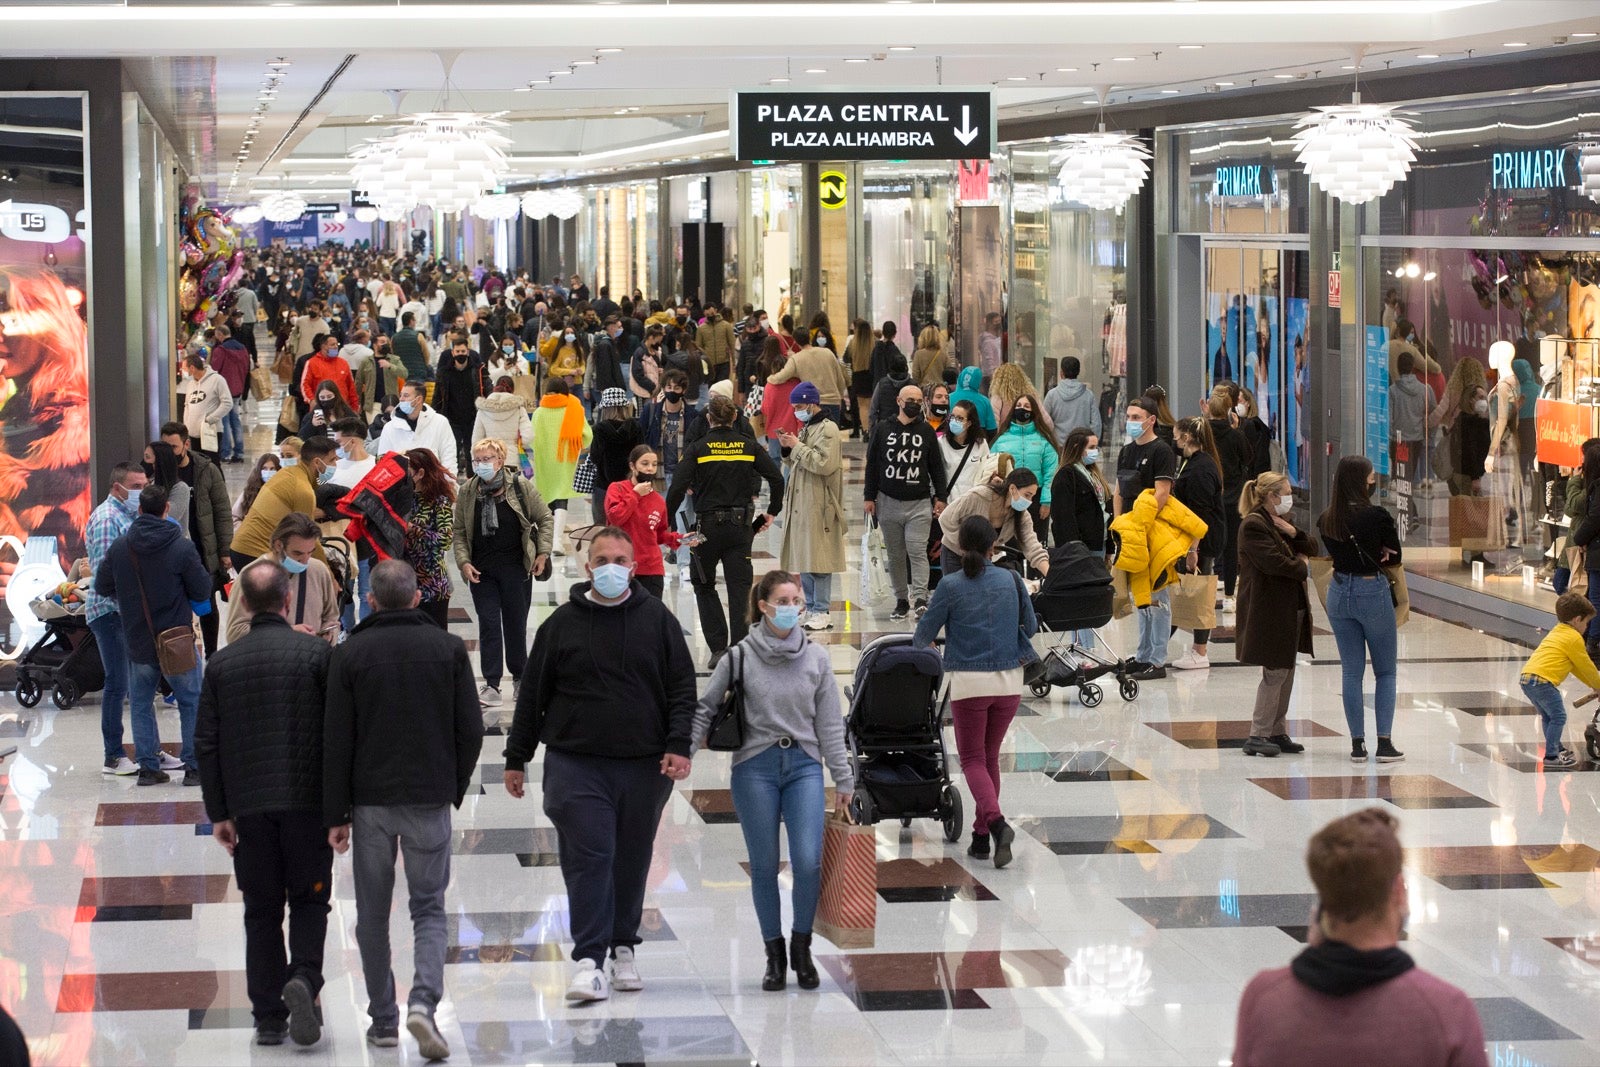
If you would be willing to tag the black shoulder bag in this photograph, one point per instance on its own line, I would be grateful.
(727, 726)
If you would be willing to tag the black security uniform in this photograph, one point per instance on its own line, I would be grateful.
(724, 469)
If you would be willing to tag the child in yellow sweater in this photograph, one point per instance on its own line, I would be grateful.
(1561, 653)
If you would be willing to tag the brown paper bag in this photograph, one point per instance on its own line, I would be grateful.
(1194, 602)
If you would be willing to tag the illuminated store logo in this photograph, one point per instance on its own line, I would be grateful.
(38, 223)
(1249, 180)
(1540, 168)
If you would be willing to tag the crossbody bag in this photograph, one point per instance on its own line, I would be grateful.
(175, 650)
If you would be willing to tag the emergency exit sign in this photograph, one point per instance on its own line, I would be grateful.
(846, 124)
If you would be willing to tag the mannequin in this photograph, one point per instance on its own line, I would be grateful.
(1506, 401)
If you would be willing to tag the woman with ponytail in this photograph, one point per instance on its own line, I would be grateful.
(987, 620)
(1003, 499)
(1274, 612)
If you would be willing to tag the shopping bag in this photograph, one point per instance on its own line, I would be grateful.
(261, 383)
(1321, 568)
(584, 475)
(1477, 523)
(289, 414)
(1396, 574)
(847, 912)
(1121, 596)
(525, 463)
(874, 560)
(1576, 559)
(1194, 602)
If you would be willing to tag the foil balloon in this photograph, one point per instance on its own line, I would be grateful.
(235, 272)
(188, 291)
(193, 254)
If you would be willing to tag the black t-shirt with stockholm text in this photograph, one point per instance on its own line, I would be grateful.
(1139, 467)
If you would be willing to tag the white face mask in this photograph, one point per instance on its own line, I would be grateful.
(1241, 409)
(1481, 407)
(1286, 505)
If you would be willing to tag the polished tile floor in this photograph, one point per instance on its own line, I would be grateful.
(1156, 869)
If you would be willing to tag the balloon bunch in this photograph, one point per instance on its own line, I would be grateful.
(212, 263)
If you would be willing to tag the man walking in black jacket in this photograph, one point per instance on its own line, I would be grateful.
(610, 690)
(461, 381)
(401, 740)
(905, 491)
(259, 743)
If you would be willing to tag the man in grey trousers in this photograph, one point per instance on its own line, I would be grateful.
(905, 491)
(402, 735)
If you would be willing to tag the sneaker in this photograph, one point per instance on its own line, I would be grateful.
(589, 983)
(489, 695)
(920, 608)
(120, 765)
(1228, 605)
(170, 700)
(147, 777)
(430, 1042)
(1003, 835)
(1562, 760)
(979, 849)
(1149, 673)
(819, 620)
(1191, 662)
(191, 776)
(300, 999)
(1358, 750)
(625, 970)
(380, 1036)
(902, 608)
(1387, 753)
(169, 762)
(270, 1033)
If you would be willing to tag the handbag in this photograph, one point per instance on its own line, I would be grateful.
(727, 726)
(1194, 602)
(583, 478)
(847, 907)
(261, 383)
(1395, 575)
(1121, 595)
(175, 649)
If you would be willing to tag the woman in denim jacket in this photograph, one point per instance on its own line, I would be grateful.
(987, 619)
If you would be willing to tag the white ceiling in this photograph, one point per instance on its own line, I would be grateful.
(678, 62)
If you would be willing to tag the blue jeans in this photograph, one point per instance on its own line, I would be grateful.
(818, 589)
(142, 681)
(1362, 615)
(1594, 598)
(1155, 630)
(108, 636)
(782, 784)
(1552, 710)
(774, 449)
(357, 609)
(230, 439)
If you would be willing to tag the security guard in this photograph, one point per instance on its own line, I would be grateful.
(722, 468)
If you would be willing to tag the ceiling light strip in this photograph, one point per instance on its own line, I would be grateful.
(306, 112)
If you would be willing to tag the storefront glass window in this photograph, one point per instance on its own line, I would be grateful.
(905, 240)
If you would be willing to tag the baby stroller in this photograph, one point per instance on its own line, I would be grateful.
(1076, 595)
(66, 657)
(896, 745)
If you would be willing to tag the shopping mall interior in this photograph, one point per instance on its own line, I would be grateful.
(1168, 191)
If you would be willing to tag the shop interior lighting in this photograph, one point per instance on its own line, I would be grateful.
(496, 207)
(1589, 168)
(1190, 47)
(1355, 152)
(1102, 170)
(283, 207)
(247, 214)
(1430, 276)
(366, 214)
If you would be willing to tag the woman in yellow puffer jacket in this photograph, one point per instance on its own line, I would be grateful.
(1152, 545)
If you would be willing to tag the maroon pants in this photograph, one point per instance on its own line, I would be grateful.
(980, 725)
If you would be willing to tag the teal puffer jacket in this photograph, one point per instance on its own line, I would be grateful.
(1033, 450)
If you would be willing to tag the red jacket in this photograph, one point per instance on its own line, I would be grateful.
(323, 368)
(232, 360)
(645, 519)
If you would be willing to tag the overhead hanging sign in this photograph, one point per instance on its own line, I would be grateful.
(845, 124)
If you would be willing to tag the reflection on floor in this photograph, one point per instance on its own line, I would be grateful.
(1156, 869)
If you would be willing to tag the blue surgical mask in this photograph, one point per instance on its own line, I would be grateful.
(784, 616)
(611, 580)
(294, 566)
(288, 461)
(267, 473)
(326, 476)
(507, 349)
(1022, 503)
(342, 452)
(484, 470)
(406, 408)
(1135, 429)
(1091, 456)
(802, 414)
(957, 426)
(129, 506)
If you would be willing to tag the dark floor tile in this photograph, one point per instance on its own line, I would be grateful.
(1439, 803)
(1522, 880)
(154, 813)
(920, 1000)
(221, 1019)
(1093, 767)
(496, 841)
(1509, 1019)
(919, 873)
(709, 1040)
(1586, 948)
(152, 991)
(1100, 848)
(1229, 733)
(932, 894)
(920, 971)
(1439, 861)
(155, 889)
(459, 615)
(1391, 787)
(132, 913)
(1223, 908)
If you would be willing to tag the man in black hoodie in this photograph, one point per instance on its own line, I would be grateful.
(400, 742)
(156, 577)
(461, 381)
(610, 690)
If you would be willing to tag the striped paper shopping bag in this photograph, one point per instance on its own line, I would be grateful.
(847, 914)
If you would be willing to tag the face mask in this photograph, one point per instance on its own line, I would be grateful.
(784, 616)
(1481, 407)
(506, 349)
(1286, 505)
(342, 452)
(640, 477)
(1241, 409)
(149, 469)
(570, 337)
(672, 397)
(763, 324)
(294, 566)
(941, 410)
(406, 408)
(484, 470)
(129, 506)
(1022, 415)
(957, 427)
(1022, 503)
(611, 580)
(288, 461)
(913, 409)
(1091, 456)
(683, 320)
(1135, 430)
(267, 473)
(802, 414)
(326, 476)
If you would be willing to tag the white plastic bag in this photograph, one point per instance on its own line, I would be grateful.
(874, 560)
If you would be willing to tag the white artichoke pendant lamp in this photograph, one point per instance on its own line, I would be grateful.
(1588, 152)
(1355, 151)
(1102, 170)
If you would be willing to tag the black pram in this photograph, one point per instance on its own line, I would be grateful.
(1077, 595)
(67, 657)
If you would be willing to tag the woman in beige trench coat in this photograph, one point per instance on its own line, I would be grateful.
(815, 518)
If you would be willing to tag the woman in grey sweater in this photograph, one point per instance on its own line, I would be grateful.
(793, 725)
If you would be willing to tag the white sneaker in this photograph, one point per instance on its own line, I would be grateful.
(1228, 605)
(1191, 662)
(169, 762)
(121, 765)
(488, 696)
(589, 983)
(819, 620)
(625, 971)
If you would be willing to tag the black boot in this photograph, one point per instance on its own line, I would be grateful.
(805, 972)
(777, 976)
(1285, 744)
